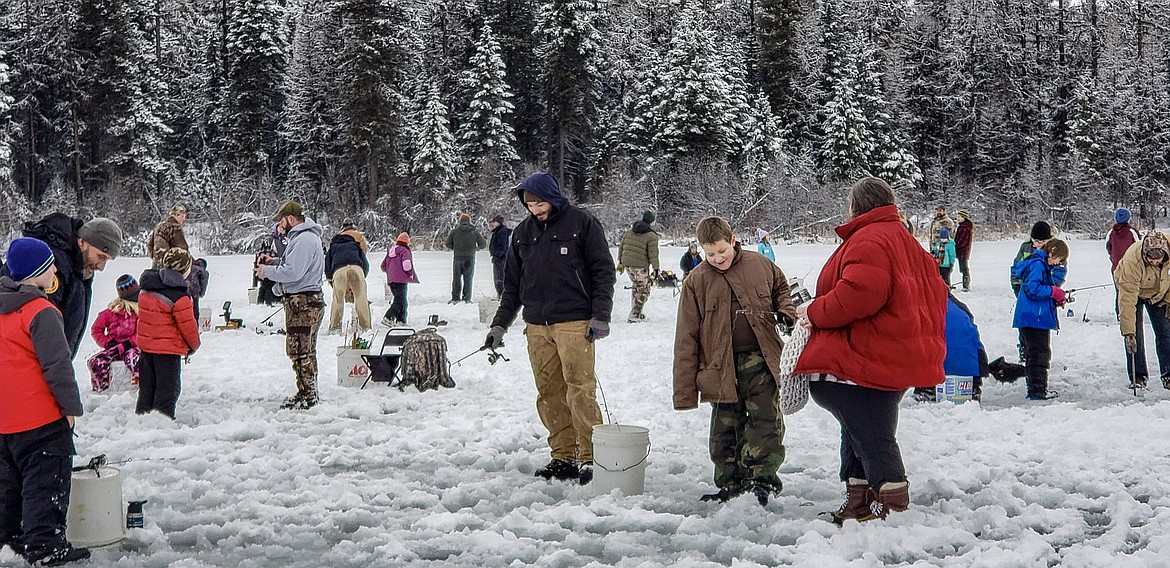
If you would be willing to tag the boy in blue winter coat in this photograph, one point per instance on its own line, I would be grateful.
(1035, 315)
(944, 254)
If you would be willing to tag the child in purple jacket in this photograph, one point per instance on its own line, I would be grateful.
(399, 268)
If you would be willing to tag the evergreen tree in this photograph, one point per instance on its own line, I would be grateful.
(485, 133)
(693, 112)
(114, 119)
(436, 162)
(513, 23)
(568, 49)
(311, 127)
(780, 69)
(373, 69)
(6, 185)
(253, 96)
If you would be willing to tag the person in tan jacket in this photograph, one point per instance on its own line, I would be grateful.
(727, 353)
(1143, 279)
(167, 235)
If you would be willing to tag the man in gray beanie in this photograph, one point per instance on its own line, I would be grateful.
(79, 250)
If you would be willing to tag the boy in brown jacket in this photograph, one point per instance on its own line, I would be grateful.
(727, 352)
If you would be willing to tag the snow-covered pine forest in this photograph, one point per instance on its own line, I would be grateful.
(405, 112)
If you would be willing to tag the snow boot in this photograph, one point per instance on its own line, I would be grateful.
(1049, 395)
(893, 496)
(560, 469)
(924, 394)
(725, 494)
(62, 557)
(856, 505)
(1140, 383)
(763, 491)
(585, 473)
(1166, 383)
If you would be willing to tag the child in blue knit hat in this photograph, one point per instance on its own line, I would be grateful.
(944, 253)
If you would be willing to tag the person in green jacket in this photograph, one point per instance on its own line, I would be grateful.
(464, 240)
(638, 255)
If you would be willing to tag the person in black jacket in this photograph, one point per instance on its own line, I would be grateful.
(498, 248)
(79, 250)
(346, 268)
(690, 259)
(560, 272)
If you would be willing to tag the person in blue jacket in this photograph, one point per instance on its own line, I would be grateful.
(1035, 315)
(690, 259)
(764, 247)
(965, 354)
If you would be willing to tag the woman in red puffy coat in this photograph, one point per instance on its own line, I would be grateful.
(167, 332)
(878, 327)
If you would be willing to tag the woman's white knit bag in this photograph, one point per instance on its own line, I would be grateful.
(793, 388)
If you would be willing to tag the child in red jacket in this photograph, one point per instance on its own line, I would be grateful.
(116, 331)
(167, 331)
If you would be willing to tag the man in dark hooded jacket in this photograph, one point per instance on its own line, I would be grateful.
(560, 272)
(79, 250)
(498, 249)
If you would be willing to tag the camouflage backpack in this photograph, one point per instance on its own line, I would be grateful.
(424, 362)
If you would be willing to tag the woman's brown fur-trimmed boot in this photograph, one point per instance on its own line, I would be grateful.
(856, 504)
(893, 496)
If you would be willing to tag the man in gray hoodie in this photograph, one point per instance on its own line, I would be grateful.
(298, 275)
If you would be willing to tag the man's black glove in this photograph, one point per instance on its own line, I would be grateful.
(597, 330)
(495, 338)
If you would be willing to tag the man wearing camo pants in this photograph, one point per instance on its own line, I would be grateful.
(298, 275)
(638, 255)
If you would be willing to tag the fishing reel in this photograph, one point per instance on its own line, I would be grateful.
(495, 356)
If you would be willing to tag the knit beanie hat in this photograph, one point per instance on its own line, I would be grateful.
(648, 217)
(28, 258)
(1154, 243)
(103, 234)
(499, 219)
(177, 259)
(944, 234)
(127, 288)
(964, 214)
(760, 234)
(1121, 216)
(1041, 231)
(403, 238)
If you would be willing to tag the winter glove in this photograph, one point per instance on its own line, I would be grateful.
(110, 343)
(597, 330)
(126, 346)
(495, 338)
(620, 268)
(1131, 343)
(1059, 295)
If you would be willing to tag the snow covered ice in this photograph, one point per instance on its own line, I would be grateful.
(378, 477)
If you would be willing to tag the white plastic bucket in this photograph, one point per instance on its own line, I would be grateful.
(121, 378)
(253, 295)
(352, 370)
(95, 516)
(205, 319)
(487, 309)
(619, 458)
